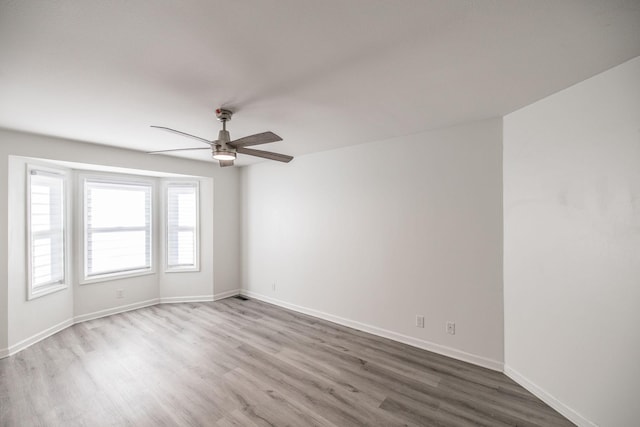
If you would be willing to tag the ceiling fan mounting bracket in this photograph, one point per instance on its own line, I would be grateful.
(223, 115)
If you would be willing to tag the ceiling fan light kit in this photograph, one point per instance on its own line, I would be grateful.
(224, 155)
(224, 150)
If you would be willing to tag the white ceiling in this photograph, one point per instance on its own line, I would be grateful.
(320, 73)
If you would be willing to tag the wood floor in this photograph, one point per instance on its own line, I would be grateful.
(247, 363)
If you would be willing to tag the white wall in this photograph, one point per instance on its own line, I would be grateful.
(220, 249)
(377, 233)
(572, 247)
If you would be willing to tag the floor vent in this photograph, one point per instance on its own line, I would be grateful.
(242, 297)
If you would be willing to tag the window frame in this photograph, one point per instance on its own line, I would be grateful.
(48, 288)
(167, 183)
(116, 179)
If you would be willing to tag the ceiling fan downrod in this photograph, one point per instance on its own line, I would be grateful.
(220, 150)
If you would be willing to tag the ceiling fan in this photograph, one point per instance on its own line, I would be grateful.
(224, 150)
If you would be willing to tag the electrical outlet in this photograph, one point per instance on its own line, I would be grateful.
(119, 293)
(451, 328)
(419, 321)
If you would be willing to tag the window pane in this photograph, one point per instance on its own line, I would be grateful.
(46, 225)
(40, 206)
(185, 248)
(41, 256)
(118, 227)
(106, 204)
(182, 216)
(118, 251)
(187, 209)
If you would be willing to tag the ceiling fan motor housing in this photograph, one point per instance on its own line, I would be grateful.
(220, 149)
(223, 137)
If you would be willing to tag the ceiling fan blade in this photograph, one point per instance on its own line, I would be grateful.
(183, 134)
(265, 154)
(178, 149)
(257, 139)
(225, 163)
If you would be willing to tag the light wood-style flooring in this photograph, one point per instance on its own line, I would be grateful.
(248, 363)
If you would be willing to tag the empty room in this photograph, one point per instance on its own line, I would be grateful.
(320, 213)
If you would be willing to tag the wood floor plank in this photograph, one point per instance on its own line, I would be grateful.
(248, 363)
(335, 404)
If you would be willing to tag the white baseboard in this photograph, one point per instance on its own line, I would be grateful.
(226, 294)
(414, 342)
(197, 298)
(36, 338)
(114, 310)
(538, 391)
(426, 345)
(108, 312)
(548, 398)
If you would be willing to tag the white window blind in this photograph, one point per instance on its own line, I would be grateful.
(46, 229)
(117, 227)
(182, 226)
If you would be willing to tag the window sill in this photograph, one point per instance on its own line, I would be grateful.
(183, 270)
(45, 290)
(115, 276)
